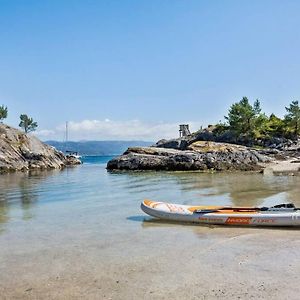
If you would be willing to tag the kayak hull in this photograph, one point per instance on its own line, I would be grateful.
(186, 213)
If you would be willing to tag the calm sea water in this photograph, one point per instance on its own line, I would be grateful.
(89, 191)
(84, 224)
(89, 195)
(95, 159)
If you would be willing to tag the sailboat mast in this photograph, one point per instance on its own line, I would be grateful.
(67, 131)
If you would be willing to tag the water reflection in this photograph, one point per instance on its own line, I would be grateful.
(20, 189)
(239, 189)
(91, 191)
(4, 217)
(28, 198)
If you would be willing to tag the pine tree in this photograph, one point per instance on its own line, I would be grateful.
(292, 118)
(3, 113)
(27, 123)
(245, 119)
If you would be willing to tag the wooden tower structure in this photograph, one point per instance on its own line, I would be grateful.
(184, 130)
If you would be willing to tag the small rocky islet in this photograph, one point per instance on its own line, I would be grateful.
(202, 151)
(23, 152)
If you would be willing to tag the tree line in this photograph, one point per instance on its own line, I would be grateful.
(247, 122)
(26, 123)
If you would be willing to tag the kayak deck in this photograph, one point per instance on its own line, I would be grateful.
(281, 215)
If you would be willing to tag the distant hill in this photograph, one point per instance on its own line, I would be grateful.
(97, 147)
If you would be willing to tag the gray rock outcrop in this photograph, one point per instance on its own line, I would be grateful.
(20, 152)
(197, 156)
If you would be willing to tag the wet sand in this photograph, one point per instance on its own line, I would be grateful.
(164, 261)
(283, 167)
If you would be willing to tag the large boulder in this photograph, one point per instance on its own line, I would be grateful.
(179, 144)
(20, 151)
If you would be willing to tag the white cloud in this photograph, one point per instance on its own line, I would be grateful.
(44, 133)
(116, 130)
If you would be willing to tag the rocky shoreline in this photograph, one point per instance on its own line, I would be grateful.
(22, 152)
(179, 155)
(198, 156)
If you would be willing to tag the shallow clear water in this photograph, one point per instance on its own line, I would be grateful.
(87, 221)
(88, 195)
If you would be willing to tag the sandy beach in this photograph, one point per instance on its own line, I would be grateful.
(167, 261)
(283, 167)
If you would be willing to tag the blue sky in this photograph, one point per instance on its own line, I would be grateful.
(136, 69)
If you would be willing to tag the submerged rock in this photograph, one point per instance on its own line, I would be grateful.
(198, 156)
(20, 151)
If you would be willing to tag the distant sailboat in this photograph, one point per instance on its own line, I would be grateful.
(70, 153)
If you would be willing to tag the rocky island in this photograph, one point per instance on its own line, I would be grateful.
(197, 156)
(21, 152)
(200, 151)
(248, 140)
